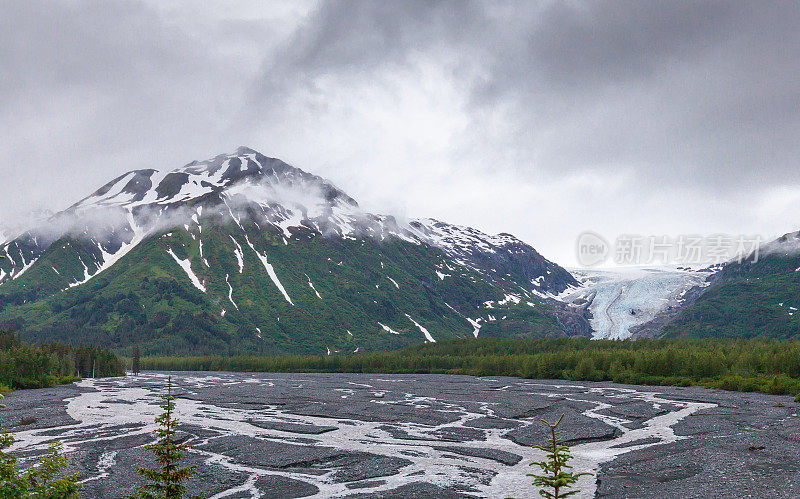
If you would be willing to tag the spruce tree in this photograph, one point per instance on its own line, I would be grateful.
(136, 360)
(556, 475)
(166, 482)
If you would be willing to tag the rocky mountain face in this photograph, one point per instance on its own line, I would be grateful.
(755, 297)
(245, 253)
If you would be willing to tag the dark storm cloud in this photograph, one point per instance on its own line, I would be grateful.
(676, 90)
(481, 112)
(364, 36)
(704, 91)
(607, 42)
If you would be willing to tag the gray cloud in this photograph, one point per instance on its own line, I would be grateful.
(616, 116)
(92, 89)
(675, 90)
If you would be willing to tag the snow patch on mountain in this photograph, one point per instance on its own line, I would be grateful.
(270, 271)
(239, 255)
(187, 267)
(425, 332)
(387, 328)
(311, 285)
(509, 299)
(475, 325)
(25, 267)
(109, 259)
(203, 258)
(86, 274)
(230, 292)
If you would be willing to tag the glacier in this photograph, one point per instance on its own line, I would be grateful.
(622, 298)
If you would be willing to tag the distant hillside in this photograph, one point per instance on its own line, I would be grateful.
(748, 299)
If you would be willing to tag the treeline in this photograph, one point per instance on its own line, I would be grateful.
(23, 365)
(764, 365)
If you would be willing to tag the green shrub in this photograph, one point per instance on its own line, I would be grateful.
(40, 481)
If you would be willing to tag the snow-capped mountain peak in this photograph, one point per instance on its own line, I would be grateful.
(205, 178)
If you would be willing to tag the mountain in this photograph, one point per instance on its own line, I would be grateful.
(755, 297)
(243, 253)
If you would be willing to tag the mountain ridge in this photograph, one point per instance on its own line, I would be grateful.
(757, 296)
(264, 213)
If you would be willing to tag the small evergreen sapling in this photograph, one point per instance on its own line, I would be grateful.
(556, 473)
(166, 482)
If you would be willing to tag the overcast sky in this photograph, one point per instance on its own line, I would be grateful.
(543, 119)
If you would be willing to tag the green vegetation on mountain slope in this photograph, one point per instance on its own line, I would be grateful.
(342, 291)
(769, 366)
(747, 300)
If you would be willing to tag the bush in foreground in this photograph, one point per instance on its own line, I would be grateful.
(44, 480)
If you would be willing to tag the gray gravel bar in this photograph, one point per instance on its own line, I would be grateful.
(381, 436)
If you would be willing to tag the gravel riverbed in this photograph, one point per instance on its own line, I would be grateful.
(374, 435)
